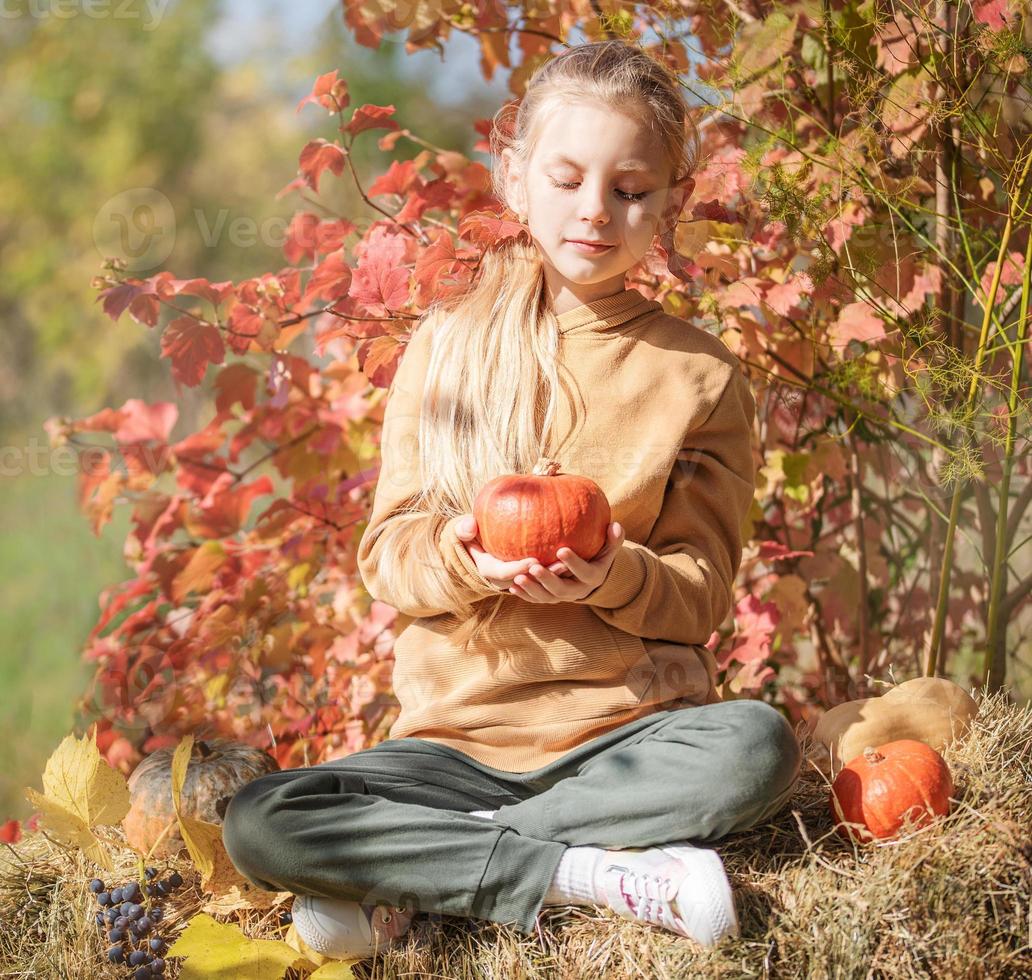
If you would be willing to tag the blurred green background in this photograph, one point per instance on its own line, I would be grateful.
(194, 100)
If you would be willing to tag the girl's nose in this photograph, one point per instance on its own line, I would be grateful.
(592, 205)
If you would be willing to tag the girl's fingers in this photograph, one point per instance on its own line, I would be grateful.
(533, 588)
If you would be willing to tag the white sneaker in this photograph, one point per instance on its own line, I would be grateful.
(678, 886)
(345, 930)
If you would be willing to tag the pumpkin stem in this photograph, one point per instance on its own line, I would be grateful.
(546, 467)
(873, 755)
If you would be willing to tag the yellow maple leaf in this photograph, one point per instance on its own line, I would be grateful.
(81, 791)
(198, 835)
(204, 842)
(215, 949)
(334, 970)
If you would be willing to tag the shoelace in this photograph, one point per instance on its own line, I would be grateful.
(648, 896)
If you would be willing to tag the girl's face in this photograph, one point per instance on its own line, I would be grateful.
(595, 175)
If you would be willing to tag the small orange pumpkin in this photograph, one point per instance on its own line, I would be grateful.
(534, 516)
(876, 791)
(218, 768)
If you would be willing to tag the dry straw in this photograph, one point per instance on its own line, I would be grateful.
(949, 900)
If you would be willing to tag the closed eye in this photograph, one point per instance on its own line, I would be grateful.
(626, 195)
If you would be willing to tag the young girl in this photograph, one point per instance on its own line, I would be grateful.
(560, 738)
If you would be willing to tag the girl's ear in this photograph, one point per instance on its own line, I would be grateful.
(517, 198)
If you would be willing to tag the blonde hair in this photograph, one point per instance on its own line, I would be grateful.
(489, 399)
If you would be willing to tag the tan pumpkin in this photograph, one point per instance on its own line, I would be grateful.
(932, 710)
(218, 768)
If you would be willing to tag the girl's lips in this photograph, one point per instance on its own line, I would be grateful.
(588, 249)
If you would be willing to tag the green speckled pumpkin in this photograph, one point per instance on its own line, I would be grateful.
(218, 768)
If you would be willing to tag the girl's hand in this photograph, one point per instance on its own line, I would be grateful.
(499, 574)
(542, 585)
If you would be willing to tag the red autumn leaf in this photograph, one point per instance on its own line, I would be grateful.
(381, 278)
(141, 421)
(196, 478)
(762, 42)
(439, 271)
(10, 832)
(856, 321)
(307, 235)
(390, 140)
(139, 297)
(300, 241)
(191, 345)
(331, 278)
(784, 297)
(284, 288)
(204, 442)
(319, 155)
(484, 127)
(722, 178)
(245, 325)
(400, 176)
(296, 184)
(144, 461)
(711, 211)
(997, 14)
(235, 383)
(200, 570)
(425, 195)
(487, 229)
(751, 677)
(379, 360)
(225, 507)
(743, 293)
(330, 235)
(842, 226)
(370, 117)
(98, 485)
(754, 629)
(1011, 275)
(896, 42)
(213, 292)
(116, 298)
(106, 420)
(927, 281)
(161, 525)
(329, 91)
(112, 605)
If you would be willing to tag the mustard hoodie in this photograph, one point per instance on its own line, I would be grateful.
(664, 427)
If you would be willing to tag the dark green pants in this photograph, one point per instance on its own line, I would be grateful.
(392, 823)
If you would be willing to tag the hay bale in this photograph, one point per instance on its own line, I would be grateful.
(951, 900)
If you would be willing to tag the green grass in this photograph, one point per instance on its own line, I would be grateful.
(53, 569)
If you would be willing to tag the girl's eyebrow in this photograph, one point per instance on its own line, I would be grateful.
(625, 167)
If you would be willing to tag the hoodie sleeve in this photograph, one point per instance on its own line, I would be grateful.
(397, 484)
(679, 584)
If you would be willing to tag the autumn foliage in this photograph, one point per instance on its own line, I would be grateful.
(805, 246)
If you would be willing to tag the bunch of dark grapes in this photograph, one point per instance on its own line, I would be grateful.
(131, 921)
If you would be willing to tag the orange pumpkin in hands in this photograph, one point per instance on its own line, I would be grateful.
(878, 789)
(534, 516)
